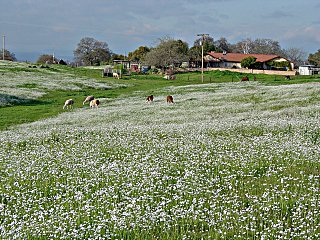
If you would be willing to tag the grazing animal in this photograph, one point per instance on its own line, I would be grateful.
(68, 103)
(88, 99)
(173, 77)
(94, 103)
(150, 98)
(169, 99)
(245, 78)
(116, 75)
(170, 77)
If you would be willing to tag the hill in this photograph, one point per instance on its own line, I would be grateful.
(228, 160)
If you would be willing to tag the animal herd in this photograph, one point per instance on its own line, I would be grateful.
(94, 103)
(169, 99)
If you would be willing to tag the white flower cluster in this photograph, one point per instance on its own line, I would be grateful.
(226, 161)
(20, 83)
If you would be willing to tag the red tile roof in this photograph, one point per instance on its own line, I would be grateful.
(237, 57)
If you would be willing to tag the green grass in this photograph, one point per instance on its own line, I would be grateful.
(51, 103)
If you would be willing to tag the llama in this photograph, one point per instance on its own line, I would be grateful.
(68, 103)
(94, 103)
(88, 99)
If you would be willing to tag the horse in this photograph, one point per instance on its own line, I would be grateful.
(150, 98)
(169, 99)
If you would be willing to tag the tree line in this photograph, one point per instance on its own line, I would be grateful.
(169, 51)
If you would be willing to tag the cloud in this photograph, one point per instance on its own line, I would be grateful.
(278, 14)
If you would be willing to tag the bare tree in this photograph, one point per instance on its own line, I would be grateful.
(295, 55)
(245, 46)
(258, 46)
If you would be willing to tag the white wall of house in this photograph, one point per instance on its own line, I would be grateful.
(230, 65)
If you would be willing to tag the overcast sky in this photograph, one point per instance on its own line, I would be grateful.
(33, 27)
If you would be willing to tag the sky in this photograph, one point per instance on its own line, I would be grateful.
(35, 27)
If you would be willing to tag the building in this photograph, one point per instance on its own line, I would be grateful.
(308, 70)
(233, 60)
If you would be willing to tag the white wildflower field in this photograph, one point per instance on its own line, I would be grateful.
(20, 83)
(225, 161)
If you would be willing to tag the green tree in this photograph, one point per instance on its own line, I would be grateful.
(138, 54)
(248, 62)
(118, 57)
(314, 58)
(222, 45)
(208, 44)
(92, 52)
(7, 55)
(169, 52)
(195, 53)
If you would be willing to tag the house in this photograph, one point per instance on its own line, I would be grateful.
(233, 60)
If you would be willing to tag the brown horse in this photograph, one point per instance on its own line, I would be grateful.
(150, 98)
(245, 78)
(169, 99)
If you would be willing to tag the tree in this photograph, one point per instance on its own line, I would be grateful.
(258, 46)
(195, 54)
(7, 55)
(139, 54)
(314, 58)
(169, 52)
(248, 62)
(46, 58)
(245, 46)
(92, 52)
(266, 46)
(208, 44)
(117, 57)
(295, 55)
(222, 45)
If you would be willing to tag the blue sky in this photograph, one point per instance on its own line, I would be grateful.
(34, 27)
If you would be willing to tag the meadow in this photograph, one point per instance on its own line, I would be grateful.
(228, 160)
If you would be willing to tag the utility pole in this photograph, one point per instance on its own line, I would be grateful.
(203, 35)
(3, 45)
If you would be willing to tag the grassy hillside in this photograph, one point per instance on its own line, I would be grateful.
(29, 92)
(228, 160)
